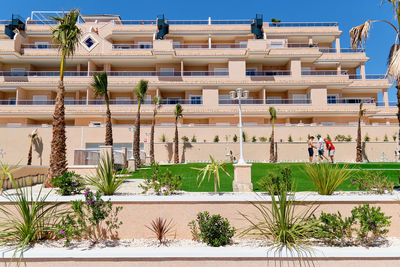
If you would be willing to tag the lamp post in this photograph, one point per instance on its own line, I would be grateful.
(242, 170)
(239, 94)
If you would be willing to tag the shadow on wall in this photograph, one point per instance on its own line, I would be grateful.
(38, 146)
(169, 147)
(185, 146)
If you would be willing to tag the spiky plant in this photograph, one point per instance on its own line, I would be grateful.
(32, 136)
(157, 104)
(100, 88)
(361, 113)
(66, 35)
(140, 92)
(161, 228)
(6, 172)
(178, 112)
(360, 33)
(272, 113)
(106, 179)
(212, 168)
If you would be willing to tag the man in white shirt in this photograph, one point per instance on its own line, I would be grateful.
(320, 148)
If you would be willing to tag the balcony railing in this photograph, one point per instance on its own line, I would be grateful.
(212, 46)
(244, 101)
(269, 73)
(322, 73)
(368, 76)
(350, 100)
(4, 22)
(170, 101)
(42, 22)
(135, 22)
(40, 46)
(342, 50)
(288, 101)
(390, 104)
(131, 46)
(17, 74)
(302, 24)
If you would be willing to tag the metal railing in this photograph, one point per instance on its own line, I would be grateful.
(17, 74)
(368, 76)
(42, 22)
(269, 73)
(4, 22)
(287, 101)
(225, 101)
(301, 45)
(382, 104)
(351, 100)
(40, 46)
(134, 22)
(342, 50)
(131, 46)
(212, 46)
(302, 24)
(322, 73)
(41, 73)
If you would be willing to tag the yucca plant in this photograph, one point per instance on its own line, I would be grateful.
(161, 228)
(6, 172)
(282, 223)
(106, 179)
(29, 219)
(212, 169)
(326, 177)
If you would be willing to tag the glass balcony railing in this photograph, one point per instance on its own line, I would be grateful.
(268, 73)
(322, 73)
(17, 74)
(302, 24)
(342, 50)
(4, 22)
(40, 46)
(350, 100)
(131, 46)
(368, 76)
(167, 101)
(382, 104)
(227, 101)
(212, 46)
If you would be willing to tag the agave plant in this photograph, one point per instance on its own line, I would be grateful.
(161, 228)
(212, 169)
(282, 222)
(327, 177)
(28, 219)
(106, 179)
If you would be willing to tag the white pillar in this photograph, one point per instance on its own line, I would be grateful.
(362, 71)
(385, 97)
(337, 45)
(209, 42)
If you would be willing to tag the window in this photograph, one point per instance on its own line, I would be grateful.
(69, 101)
(173, 100)
(39, 99)
(42, 45)
(251, 71)
(89, 42)
(220, 71)
(332, 99)
(299, 98)
(195, 99)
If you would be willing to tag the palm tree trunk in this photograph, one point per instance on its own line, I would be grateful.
(398, 113)
(30, 154)
(272, 145)
(176, 158)
(153, 122)
(109, 135)
(58, 160)
(215, 183)
(136, 139)
(358, 148)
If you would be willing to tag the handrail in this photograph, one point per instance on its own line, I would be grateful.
(322, 73)
(207, 46)
(4, 22)
(342, 50)
(368, 76)
(51, 102)
(352, 100)
(223, 101)
(17, 74)
(42, 22)
(40, 46)
(269, 73)
(302, 24)
(131, 46)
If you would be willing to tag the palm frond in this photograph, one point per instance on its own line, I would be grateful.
(178, 111)
(272, 113)
(359, 34)
(141, 90)
(100, 84)
(394, 63)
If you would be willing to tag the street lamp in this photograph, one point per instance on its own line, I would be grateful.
(239, 94)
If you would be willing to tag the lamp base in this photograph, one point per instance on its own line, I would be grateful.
(242, 178)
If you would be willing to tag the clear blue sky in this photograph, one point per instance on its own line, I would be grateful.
(347, 12)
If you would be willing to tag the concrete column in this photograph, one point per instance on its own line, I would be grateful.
(264, 97)
(237, 69)
(362, 71)
(210, 97)
(17, 95)
(209, 42)
(385, 97)
(77, 95)
(78, 67)
(242, 178)
(318, 96)
(295, 68)
(310, 41)
(182, 68)
(337, 45)
(125, 157)
(339, 68)
(157, 92)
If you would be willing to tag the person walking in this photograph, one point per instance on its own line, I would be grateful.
(331, 150)
(311, 149)
(320, 148)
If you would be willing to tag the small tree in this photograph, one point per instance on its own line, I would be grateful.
(290, 139)
(212, 169)
(178, 114)
(235, 138)
(216, 139)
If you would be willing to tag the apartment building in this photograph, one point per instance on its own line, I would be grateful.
(299, 68)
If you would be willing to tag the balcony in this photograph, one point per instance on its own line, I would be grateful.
(210, 46)
(342, 50)
(268, 73)
(223, 101)
(368, 77)
(302, 24)
(17, 74)
(346, 100)
(40, 46)
(131, 46)
(323, 73)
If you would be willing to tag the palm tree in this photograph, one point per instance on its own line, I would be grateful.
(33, 136)
(360, 33)
(140, 92)
(66, 34)
(178, 114)
(361, 113)
(100, 88)
(213, 168)
(272, 113)
(157, 105)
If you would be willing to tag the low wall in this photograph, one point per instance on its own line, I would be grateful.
(26, 175)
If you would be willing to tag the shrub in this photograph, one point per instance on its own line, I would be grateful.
(161, 228)
(326, 177)
(377, 139)
(348, 138)
(214, 230)
(244, 136)
(340, 138)
(163, 138)
(88, 219)
(333, 229)
(373, 181)
(185, 138)
(372, 223)
(28, 219)
(290, 139)
(106, 179)
(254, 139)
(69, 183)
(367, 138)
(212, 168)
(216, 139)
(288, 229)
(328, 137)
(194, 140)
(275, 181)
(162, 182)
(235, 138)
(262, 139)
(394, 137)
(385, 138)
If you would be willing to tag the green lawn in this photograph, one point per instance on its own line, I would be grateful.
(259, 170)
